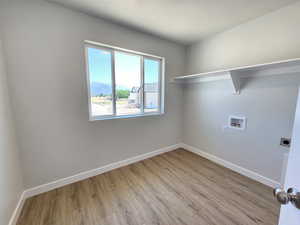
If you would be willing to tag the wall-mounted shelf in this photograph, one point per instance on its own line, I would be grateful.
(235, 74)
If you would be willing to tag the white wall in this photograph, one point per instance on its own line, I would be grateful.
(44, 47)
(268, 103)
(10, 173)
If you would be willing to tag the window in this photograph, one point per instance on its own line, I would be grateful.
(123, 83)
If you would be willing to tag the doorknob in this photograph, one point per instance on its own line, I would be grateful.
(292, 195)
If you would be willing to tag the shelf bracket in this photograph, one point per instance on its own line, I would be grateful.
(236, 83)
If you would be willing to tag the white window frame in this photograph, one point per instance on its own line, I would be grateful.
(112, 49)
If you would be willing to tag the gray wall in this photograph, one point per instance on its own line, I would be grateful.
(272, 37)
(268, 103)
(10, 173)
(44, 48)
(44, 51)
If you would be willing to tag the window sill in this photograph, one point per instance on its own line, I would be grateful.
(96, 118)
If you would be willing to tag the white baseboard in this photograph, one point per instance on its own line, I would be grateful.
(94, 172)
(14, 218)
(248, 173)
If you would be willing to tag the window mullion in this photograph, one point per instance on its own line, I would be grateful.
(113, 83)
(161, 100)
(142, 85)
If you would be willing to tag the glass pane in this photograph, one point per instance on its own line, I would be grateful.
(128, 83)
(100, 72)
(151, 85)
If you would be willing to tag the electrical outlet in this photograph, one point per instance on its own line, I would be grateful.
(285, 142)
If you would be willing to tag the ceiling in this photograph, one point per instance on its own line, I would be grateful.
(183, 21)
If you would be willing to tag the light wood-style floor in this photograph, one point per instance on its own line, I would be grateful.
(175, 188)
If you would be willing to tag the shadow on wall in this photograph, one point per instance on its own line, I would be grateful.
(269, 81)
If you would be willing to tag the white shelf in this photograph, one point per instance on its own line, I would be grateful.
(234, 74)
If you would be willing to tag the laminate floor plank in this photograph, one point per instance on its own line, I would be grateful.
(175, 188)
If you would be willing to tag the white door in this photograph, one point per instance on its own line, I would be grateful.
(289, 214)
